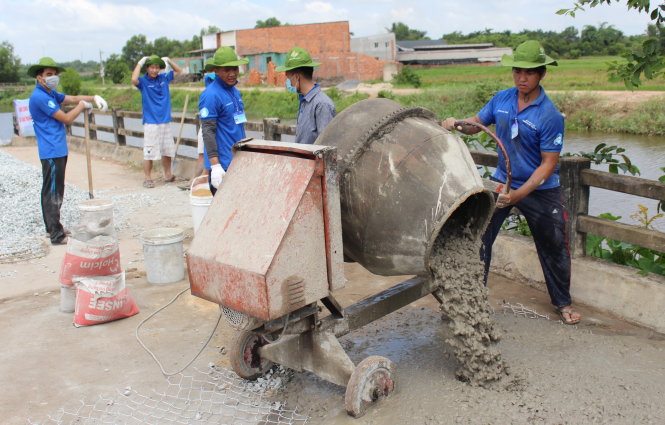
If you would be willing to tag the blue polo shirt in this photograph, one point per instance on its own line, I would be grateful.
(539, 129)
(222, 102)
(156, 98)
(51, 136)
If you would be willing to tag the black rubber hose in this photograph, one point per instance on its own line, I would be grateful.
(506, 158)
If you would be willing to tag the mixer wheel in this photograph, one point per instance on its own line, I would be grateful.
(372, 380)
(244, 355)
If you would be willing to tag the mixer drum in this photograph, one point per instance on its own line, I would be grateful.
(403, 179)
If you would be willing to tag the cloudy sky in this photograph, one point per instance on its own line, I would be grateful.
(80, 29)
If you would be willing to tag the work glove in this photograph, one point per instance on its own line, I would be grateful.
(86, 105)
(143, 60)
(101, 103)
(216, 174)
(167, 63)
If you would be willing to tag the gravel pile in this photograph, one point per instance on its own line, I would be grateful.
(22, 232)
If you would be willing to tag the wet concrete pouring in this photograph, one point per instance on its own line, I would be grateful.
(602, 371)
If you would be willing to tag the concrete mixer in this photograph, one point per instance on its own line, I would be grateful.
(380, 185)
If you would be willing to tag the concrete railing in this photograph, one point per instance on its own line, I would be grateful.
(270, 127)
(576, 179)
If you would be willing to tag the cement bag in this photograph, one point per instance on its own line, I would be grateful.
(102, 299)
(98, 256)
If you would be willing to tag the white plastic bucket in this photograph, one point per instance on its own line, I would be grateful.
(163, 255)
(200, 198)
(67, 298)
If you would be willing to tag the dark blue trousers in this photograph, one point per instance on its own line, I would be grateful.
(545, 215)
(53, 192)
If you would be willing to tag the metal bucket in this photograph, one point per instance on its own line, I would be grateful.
(163, 255)
(402, 178)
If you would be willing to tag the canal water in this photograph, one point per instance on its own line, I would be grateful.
(647, 153)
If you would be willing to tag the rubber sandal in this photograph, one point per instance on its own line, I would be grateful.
(569, 311)
(148, 183)
(171, 180)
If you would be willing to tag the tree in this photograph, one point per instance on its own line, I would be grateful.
(70, 82)
(9, 63)
(649, 60)
(116, 68)
(270, 22)
(403, 32)
(135, 48)
(212, 29)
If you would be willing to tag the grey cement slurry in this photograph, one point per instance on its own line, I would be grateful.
(457, 269)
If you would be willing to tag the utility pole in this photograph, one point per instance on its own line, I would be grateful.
(101, 66)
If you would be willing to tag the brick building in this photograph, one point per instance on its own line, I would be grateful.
(328, 43)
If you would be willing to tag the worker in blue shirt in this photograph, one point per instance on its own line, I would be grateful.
(156, 103)
(49, 124)
(316, 109)
(531, 129)
(222, 113)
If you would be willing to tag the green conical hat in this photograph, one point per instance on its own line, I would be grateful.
(297, 58)
(529, 54)
(224, 56)
(155, 60)
(44, 62)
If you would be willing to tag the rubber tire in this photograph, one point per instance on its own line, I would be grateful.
(244, 358)
(372, 380)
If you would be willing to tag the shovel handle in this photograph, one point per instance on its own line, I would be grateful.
(86, 130)
(182, 122)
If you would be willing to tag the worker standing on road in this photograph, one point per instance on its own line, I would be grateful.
(49, 124)
(532, 130)
(156, 103)
(222, 114)
(316, 109)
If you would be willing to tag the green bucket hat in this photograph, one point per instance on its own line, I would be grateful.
(297, 58)
(529, 54)
(155, 60)
(224, 56)
(45, 62)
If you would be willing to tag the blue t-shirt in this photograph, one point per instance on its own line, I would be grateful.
(51, 136)
(222, 102)
(156, 98)
(539, 128)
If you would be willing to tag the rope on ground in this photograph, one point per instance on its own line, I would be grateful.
(520, 310)
(161, 367)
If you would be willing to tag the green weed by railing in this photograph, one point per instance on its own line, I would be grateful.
(646, 260)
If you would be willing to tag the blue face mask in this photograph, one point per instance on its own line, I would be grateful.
(290, 88)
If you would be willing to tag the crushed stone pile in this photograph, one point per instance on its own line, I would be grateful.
(22, 231)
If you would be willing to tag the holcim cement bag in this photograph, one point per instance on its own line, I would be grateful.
(98, 256)
(101, 299)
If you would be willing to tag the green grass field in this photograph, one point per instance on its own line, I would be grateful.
(588, 73)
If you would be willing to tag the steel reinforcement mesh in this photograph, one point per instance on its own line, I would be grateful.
(215, 396)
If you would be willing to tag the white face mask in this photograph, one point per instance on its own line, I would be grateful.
(52, 81)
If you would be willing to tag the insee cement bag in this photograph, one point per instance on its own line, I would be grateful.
(101, 299)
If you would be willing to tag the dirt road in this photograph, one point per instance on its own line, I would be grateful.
(602, 371)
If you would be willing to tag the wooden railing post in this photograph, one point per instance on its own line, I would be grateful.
(118, 123)
(575, 199)
(92, 134)
(270, 129)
